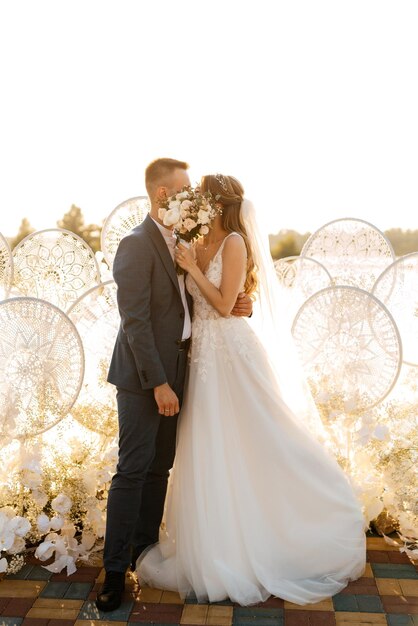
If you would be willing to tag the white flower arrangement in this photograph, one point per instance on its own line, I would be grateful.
(190, 213)
(13, 529)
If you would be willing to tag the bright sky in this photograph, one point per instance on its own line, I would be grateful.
(313, 105)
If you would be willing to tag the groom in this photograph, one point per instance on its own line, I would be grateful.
(148, 367)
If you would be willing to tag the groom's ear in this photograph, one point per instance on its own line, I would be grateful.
(161, 193)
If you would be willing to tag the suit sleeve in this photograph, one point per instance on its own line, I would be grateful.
(132, 271)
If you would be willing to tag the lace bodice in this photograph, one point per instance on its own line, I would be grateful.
(201, 308)
(210, 330)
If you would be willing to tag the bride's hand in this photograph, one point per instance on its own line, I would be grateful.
(185, 258)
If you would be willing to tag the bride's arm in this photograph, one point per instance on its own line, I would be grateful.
(233, 269)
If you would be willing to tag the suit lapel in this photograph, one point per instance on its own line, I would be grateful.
(162, 249)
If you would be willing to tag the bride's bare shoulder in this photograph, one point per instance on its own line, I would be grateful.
(234, 239)
(234, 244)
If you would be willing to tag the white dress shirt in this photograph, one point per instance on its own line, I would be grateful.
(170, 240)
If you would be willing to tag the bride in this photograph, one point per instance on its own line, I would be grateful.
(256, 506)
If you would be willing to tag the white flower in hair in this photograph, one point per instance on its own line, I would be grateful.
(222, 181)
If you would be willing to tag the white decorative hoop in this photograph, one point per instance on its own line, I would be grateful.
(6, 268)
(96, 317)
(354, 251)
(397, 288)
(335, 331)
(41, 366)
(299, 278)
(120, 222)
(55, 265)
(303, 273)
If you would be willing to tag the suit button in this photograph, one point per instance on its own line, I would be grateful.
(182, 315)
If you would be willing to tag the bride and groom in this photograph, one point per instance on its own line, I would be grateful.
(255, 505)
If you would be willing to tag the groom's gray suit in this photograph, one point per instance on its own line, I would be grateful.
(148, 352)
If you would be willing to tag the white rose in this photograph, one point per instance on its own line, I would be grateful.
(171, 217)
(61, 504)
(40, 498)
(7, 538)
(57, 522)
(174, 204)
(43, 523)
(186, 204)
(18, 546)
(20, 526)
(161, 213)
(30, 479)
(45, 550)
(203, 216)
(182, 195)
(90, 480)
(189, 224)
(204, 230)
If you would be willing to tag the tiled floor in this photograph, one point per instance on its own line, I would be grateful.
(387, 594)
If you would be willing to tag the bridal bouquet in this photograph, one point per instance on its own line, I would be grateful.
(190, 213)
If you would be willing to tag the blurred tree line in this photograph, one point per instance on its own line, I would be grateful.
(285, 243)
(73, 221)
(290, 242)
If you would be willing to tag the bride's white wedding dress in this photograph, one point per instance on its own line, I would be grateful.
(255, 506)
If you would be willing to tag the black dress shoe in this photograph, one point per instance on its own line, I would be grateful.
(109, 597)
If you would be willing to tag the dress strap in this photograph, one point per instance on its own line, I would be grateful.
(227, 237)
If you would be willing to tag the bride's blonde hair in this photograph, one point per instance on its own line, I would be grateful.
(230, 194)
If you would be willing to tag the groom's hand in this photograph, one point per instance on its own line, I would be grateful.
(166, 399)
(243, 306)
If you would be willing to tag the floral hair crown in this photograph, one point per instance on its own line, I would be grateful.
(222, 181)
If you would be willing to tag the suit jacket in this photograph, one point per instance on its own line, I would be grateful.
(151, 311)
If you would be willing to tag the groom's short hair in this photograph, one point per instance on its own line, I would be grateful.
(159, 170)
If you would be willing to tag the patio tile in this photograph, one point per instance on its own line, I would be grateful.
(409, 587)
(90, 622)
(148, 594)
(21, 588)
(194, 614)
(400, 604)
(360, 619)
(89, 611)
(55, 589)
(157, 613)
(17, 607)
(394, 570)
(170, 597)
(79, 591)
(401, 620)
(389, 586)
(219, 615)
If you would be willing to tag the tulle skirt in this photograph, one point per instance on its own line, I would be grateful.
(255, 505)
